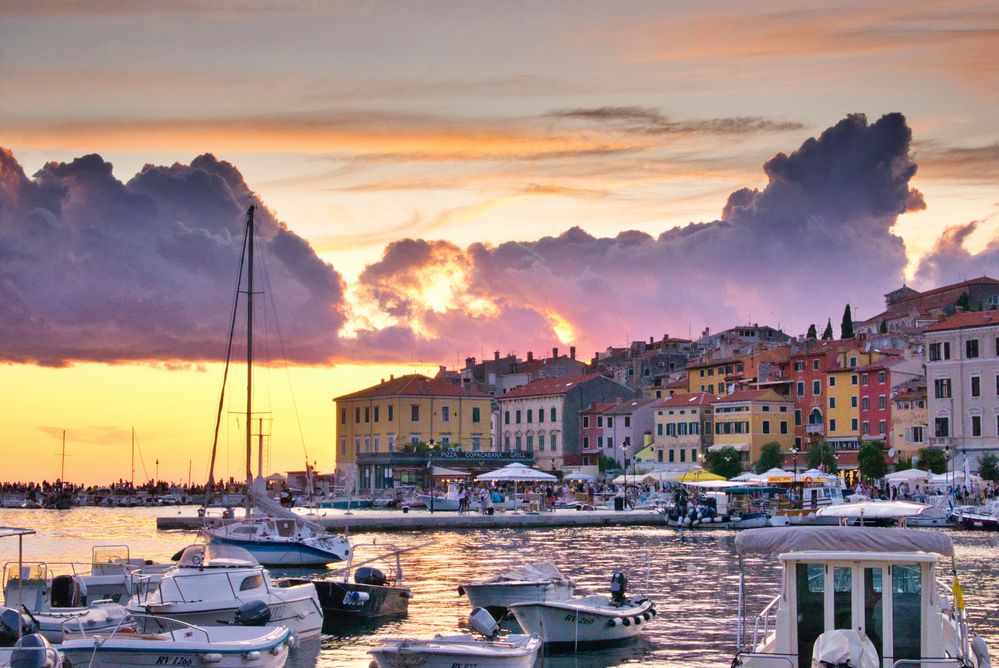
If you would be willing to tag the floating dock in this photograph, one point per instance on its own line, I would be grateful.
(422, 520)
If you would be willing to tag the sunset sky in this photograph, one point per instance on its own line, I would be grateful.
(442, 180)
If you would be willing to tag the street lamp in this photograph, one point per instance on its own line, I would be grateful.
(794, 459)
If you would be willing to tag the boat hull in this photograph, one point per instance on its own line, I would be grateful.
(302, 616)
(497, 597)
(452, 651)
(269, 650)
(101, 619)
(277, 553)
(749, 521)
(347, 601)
(440, 503)
(571, 624)
(346, 504)
(978, 522)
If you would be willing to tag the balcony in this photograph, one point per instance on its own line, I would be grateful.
(814, 428)
(942, 441)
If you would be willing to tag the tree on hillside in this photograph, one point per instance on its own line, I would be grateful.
(988, 467)
(812, 333)
(871, 460)
(846, 326)
(933, 460)
(827, 334)
(821, 456)
(883, 327)
(770, 457)
(726, 462)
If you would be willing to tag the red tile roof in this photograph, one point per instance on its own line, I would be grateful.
(595, 409)
(545, 386)
(965, 320)
(412, 385)
(688, 399)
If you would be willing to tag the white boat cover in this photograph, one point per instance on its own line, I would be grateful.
(776, 540)
(542, 570)
(880, 510)
(844, 648)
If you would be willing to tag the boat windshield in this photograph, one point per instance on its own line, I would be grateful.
(216, 556)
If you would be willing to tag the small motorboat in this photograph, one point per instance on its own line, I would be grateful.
(168, 642)
(589, 620)
(511, 651)
(981, 518)
(537, 582)
(223, 584)
(101, 618)
(856, 596)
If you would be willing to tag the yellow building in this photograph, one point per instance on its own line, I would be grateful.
(682, 430)
(749, 419)
(843, 397)
(709, 376)
(407, 410)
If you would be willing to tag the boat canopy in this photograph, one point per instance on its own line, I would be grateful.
(542, 570)
(216, 555)
(6, 532)
(775, 540)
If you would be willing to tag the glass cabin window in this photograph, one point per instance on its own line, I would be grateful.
(842, 597)
(874, 608)
(811, 585)
(907, 593)
(252, 582)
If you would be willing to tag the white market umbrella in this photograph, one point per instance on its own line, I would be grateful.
(815, 474)
(748, 476)
(776, 475)
(909, 475)
(516, 473)
(580, 476)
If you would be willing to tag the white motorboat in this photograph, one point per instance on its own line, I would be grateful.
(538, 582)
(587, 620)
(223, 584)
(511, 651)
(982, 518)
(847, 591)
(902, 513)
(715, 509)
(169, 642)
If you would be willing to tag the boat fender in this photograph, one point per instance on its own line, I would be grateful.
(276, 650)
(252, 656)
(292, 641)
(981, 651)
(356, 597)
(626, 621)
(614, 621)
(406, 594)
(213, 657)
(646, 616)
(461, 590)
(638, 620)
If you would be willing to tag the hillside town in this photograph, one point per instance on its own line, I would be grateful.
(917, 383)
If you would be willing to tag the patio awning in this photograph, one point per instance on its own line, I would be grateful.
(741, 447)
(441, 472)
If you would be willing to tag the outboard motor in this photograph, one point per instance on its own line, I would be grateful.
(483, 622)
(13, 625)
(619, 584)
(253, 613)
(367, 575)
(33, 651)
(66, 592)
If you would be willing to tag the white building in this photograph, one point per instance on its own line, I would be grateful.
(962, 383)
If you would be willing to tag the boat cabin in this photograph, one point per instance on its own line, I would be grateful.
(879, 583)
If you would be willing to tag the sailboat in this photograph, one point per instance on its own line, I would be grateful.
(274, 535)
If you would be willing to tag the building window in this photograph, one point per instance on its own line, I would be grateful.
(832, 424)
(801, 388)
(916, 434)
(865, 403)
(414, 438)
(816, 388)
(357, 415)
(552, 441)
(541, 415)
(476, 443)
(586, 443)
(516, 416)
(600, 441)
(865, 428)
(530, 415)
(627, 421)
(610, 422)
(367, 414)
(391, 410)
(832, 381)
(378, 413)
(600, 420)
(530, 443)
(552, 413)
(941, 427)
(976, 425)
(659, 429)
(391, 442)
(853, 362)
(506, 442)
(882, 427)
(683, 455)
(971, 349)
(766, 426)
(832, 402)
(815, 364)
(853, 401)
(797, 417)
(357, 445)
(882, 402)
(671, 455)
(343, 446)
(783, 426)
(799, 365)
(853, 379)
(610, 442)
(976, 386)
(343, 411)
(476, 414)
(853, 424)
(378, 444)
(586, 422)
(414, 412)
(659, 456)
(863, 379)
(445, 413)
(517, 441)
(506, 418)
(882, 377)
(941, 388)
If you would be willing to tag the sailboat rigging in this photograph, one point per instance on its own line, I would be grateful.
(276, 536)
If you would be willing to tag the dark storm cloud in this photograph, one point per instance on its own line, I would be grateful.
(816, 237)
(951, 262)
(95, 269)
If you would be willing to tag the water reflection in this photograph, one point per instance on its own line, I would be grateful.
(692, 577)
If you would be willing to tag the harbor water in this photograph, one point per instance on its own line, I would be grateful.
(692, 577)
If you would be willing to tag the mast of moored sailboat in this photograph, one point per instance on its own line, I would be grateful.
(249, 352)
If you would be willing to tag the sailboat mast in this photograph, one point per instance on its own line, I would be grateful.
(249, 349)
(133, 457)
(62, 467)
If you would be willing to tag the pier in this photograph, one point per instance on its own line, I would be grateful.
(387, 521)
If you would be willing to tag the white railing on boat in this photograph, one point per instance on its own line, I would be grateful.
(165, 624)
(764, 655)
(769, 613)
(146, 593)
(901, 663)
